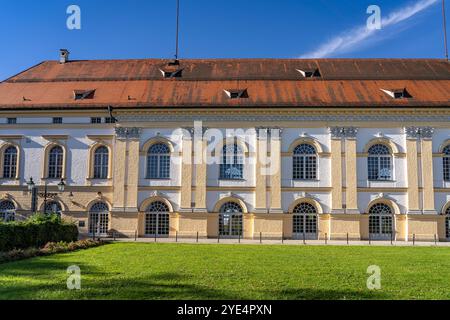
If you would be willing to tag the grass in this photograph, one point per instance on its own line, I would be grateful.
(182, 271)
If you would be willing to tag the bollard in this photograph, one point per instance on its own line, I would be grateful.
(197, 236)
(304, 238)
(260, 237)
(392, 240)
(414, 239)
(326, 238)
(239, 238)
(218, 238)
(155, 237)
(347, 239)
(135, 235)
(435, 240)
(176, 236)
(282, 238)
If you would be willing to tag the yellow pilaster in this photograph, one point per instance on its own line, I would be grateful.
(413, 177)
(427, 176)
(132, 175)
(336, 175)
(120, 155)
(186, 174)
(201, 174)
(274, 170)
(126, 169)
(351, 193)
(261, 174)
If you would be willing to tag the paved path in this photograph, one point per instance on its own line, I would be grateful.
(287, 242)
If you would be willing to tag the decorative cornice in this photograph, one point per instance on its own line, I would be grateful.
(343, 132)
(268, 132)
(243, 116)
(128, 133)
(419, 132)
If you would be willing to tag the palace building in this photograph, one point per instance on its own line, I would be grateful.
(314, 149)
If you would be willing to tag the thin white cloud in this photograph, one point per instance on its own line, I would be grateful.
(350, 40)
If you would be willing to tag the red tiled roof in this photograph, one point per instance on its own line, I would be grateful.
(269, 83)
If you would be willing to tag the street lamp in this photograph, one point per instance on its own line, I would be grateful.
(31, 184)
(61, 186)
(34, 194)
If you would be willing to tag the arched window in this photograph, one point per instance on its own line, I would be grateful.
(99, 219)
(158, 162)
(379, 163)
(53, 207)
(305, 221)
(55, 163)
(304, 163)
(7, 211)
(232, 164)
(230, 220)
(446, 163)
(447, 223)
(157, 219)
(381, 222)
(10, 163)
(101, 163)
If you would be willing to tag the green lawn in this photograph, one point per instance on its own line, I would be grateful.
(177, 271)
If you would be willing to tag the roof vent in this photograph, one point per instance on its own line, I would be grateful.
(310, 73)
(83, 94)
(397, 93)
(236, 93)
(64, 56)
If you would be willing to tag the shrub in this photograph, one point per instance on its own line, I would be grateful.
(48, 249)
(36, 232)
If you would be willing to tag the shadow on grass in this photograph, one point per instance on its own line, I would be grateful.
(45, 278)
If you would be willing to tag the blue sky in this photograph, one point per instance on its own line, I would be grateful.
(32, 31)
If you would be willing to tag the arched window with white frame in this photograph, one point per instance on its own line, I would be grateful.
(232, 164)
(379, 163)
(446, 163)
(157, 219)
(99, 219)
(158, 161)
(305, 221)
(101, 163)
(304, 162)
(7, 211)
(55, 162)
(230, 220)
(381, 222)
(10, 157)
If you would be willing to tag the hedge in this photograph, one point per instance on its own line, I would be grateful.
(36, 232)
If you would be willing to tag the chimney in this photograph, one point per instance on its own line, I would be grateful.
(63, 56)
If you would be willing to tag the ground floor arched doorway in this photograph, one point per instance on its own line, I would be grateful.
(231, 220)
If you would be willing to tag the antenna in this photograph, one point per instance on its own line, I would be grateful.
(178, 29)
(445, 30)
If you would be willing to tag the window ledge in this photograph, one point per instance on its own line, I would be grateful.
(159, 179)
(231, 179)
(306, 180)
(369, 180)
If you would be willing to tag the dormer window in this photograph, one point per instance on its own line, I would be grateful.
(310, 73)
(169, 74)
(83, 94)
(397, 93)
(236, 93)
